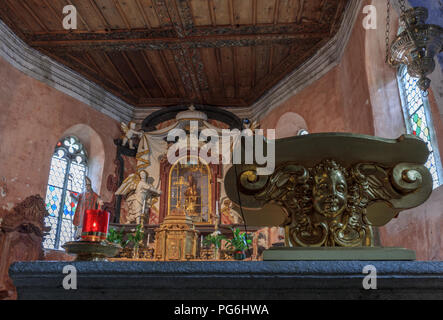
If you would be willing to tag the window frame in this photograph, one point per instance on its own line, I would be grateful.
(70, 158)
(401, 72)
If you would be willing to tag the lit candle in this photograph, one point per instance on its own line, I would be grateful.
(95, 225)
(148, 238)
(201, 241)
(217, 214)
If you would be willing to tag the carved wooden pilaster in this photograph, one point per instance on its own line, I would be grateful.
(21, 236)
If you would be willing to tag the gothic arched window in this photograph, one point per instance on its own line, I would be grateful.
(418, 119)
(66, 181)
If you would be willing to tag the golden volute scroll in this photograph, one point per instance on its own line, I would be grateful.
(330, 189)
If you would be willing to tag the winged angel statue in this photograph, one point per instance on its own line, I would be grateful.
(139, 193)
(128, 133)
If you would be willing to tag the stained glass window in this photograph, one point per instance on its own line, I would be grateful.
(418, 120)
(65, 183)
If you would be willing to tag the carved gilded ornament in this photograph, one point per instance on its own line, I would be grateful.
(337, 200)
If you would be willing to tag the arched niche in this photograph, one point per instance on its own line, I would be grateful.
(95, 150)
(289, 124)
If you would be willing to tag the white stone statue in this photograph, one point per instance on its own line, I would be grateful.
(128, 133)
(139, 194)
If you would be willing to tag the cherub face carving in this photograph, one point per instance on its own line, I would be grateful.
(330, 192)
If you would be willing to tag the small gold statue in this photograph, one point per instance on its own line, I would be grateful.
(191, 195)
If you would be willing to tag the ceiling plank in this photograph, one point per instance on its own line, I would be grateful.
(122, 14)
(227, 63)
(221, 12)
(18, 25)
(88, 13)
(253, 66)
(304, 50)
(288, 11)
(83, 63)
(300, 10)
(219, 68)
(265, 11)
(271, 58)
(117, 72)
(254, 12)
(211, 8)
(243, 61)
(117, 90)
(169, 61)
(58, 14)
(336, 16)
(99, 14)
(150, 10)
(262, 58)
(153, 72)
(235, 70)
(201, 12)
(231, 12)
(57, 11)
(82, 19)
(134, 71)
(276, 11)
(34, 15)
(143, 14)
(105, 68)
(242, 12)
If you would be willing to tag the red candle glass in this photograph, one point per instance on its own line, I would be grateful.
(95, 225)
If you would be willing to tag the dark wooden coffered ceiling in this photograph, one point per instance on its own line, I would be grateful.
(167, 52)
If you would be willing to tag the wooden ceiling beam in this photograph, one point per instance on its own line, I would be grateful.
(94, 41)
(155, 102)
(183, 22)
(306, 30)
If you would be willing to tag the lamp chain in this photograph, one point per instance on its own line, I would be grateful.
(388, 28)
(402, 6)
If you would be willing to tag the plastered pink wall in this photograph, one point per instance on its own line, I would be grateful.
(33, 117)
(361, 95)
(337, 102)
(419, 228)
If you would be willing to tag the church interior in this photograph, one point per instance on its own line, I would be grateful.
(87, 113)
